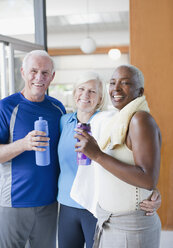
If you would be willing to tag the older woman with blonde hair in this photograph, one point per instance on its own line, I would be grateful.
(77, 225)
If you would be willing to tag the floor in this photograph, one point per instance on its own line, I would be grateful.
(166, 239)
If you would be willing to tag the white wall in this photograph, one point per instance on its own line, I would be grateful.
(68, 69)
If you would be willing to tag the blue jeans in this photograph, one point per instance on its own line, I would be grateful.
(75, 227)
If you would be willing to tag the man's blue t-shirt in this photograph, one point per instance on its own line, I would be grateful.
(22, 182)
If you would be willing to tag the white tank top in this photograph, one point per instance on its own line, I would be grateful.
(116, 195)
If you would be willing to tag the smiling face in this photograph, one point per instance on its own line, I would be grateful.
(87, 96)
(124, 87)
(37, 76)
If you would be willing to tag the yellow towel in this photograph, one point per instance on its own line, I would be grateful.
(115, 132)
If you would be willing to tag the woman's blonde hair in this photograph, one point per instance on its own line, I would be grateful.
(91, 75)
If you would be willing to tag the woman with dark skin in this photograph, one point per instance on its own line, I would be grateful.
(141, 144)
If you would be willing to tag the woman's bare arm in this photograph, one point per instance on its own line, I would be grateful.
(144, 139)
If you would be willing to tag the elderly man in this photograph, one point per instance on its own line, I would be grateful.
(28, 208)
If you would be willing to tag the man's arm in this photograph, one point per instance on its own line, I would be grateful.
(30, 142)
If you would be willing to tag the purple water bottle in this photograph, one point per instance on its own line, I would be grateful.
(82, 159)
(42, 158)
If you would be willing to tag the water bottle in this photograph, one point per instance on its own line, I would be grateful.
(42, 157)
(82, 159)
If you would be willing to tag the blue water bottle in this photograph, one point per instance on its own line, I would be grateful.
(42, 158)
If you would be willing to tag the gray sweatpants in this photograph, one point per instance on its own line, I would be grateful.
(36, 224)
(127, 230)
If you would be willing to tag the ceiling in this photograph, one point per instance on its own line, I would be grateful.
(69, 22)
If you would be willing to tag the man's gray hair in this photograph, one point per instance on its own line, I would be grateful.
(136, 72)
(37, 53)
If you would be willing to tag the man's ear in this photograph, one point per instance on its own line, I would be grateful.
(22, 72)
(53, 75)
